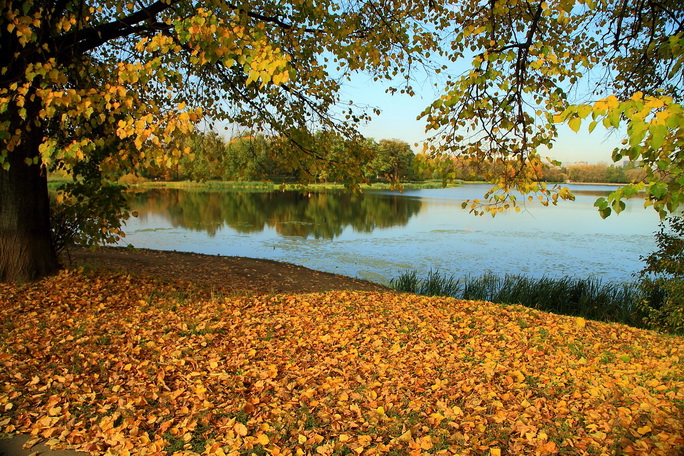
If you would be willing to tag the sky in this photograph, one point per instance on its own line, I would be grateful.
(399, 112)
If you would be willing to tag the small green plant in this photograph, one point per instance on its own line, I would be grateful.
(608, 358)
(435, 284)
(407, 282)
(79, 220)
(63, 226)
(662, 279)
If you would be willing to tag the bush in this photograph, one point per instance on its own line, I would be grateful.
(63, 226)
(662, 279)
(95, 219)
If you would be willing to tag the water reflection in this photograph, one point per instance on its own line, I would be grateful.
(425, 229)
(323, 215)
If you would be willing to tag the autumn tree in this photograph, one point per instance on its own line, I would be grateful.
(85, 85)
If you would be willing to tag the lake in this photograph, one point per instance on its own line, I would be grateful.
(379, 234)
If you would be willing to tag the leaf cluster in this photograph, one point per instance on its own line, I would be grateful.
(535, 65)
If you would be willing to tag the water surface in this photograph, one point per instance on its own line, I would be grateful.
(377, 235)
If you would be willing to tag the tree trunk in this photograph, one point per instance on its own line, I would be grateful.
(26, 250)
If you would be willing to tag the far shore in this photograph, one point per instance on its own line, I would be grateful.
(55, 181)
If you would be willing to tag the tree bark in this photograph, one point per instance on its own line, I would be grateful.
(26, 249)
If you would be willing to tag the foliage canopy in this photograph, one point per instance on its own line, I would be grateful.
(127, 80)
(87, 87)
(123, 81)
(539, 64)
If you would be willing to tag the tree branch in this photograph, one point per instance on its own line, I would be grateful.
(81, 41)
(271, 19)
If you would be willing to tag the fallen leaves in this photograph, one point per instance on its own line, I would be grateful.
(109, 363)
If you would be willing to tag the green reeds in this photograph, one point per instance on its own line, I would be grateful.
(589, 298)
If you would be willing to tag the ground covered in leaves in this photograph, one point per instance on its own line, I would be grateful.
(114, 364)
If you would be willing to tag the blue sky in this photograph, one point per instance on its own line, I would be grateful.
(399, 112)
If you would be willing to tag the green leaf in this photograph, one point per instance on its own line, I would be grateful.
(658, 189)
(605, 212)
(592, 125)
(583, 110)
(657, 139)
(575, 124)
(630, 190)
(618, 206)
(614, 118)
(601, 203)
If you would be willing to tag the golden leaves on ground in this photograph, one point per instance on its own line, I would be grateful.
(117, 365)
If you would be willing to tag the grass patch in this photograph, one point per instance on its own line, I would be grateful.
(588, 298)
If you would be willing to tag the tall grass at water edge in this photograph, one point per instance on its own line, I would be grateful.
(589, 298)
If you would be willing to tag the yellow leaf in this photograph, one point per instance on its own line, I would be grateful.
(405, 437)
(263, 439)
(425, 443)
(519, 376)
(495, 452)
(644, 430)
(364, 440)
(240, 429)
(600, 436)
(574, 124)
(612, 102)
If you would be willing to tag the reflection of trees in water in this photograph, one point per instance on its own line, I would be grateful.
(321, 215)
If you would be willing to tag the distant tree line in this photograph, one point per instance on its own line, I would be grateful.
(612, 174)
(260, 157)
(457, 168)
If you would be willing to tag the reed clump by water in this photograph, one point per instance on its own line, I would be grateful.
(589, 298)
